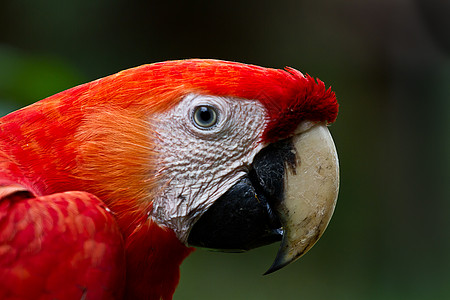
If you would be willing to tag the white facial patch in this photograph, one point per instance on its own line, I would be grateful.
(199, 163)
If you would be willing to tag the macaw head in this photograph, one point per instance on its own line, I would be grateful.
(215, 154)
(227, 156)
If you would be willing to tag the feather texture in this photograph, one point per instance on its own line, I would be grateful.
(61, 246)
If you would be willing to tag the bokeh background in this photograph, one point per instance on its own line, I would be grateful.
(388, 62)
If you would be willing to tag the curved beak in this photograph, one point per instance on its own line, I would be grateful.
(289, 194)
(310, 194)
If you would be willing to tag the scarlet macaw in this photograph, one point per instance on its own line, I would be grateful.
(105, 187)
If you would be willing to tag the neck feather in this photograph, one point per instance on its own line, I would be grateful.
(154, 255)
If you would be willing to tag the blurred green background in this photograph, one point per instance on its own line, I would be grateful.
(388, 62)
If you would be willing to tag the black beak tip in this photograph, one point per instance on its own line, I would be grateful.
(276, 265)
(280, 260)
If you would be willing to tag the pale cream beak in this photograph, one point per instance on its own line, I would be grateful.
(311, 190)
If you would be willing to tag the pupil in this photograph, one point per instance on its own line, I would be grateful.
(205, 114)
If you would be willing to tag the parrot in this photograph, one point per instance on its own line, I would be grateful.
(105, 188)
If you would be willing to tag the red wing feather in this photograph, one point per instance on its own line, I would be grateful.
(60, 246)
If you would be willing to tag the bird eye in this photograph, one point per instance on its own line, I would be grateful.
(205, 117)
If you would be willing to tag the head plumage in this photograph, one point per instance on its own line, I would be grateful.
(289, 96)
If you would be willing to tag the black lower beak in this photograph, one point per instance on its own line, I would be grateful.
(240, 220)
(243, 218)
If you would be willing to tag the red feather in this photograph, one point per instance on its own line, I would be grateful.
(61, 246)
